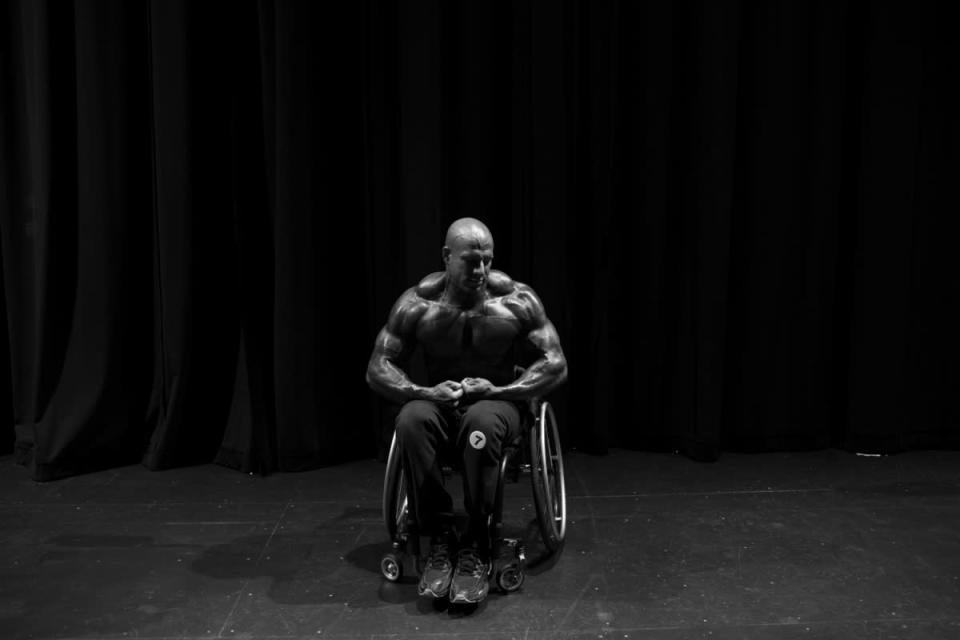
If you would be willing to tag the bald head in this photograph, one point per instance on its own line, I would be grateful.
(469, 232)
(467, 256)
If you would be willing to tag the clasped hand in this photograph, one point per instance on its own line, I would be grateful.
(451, 392)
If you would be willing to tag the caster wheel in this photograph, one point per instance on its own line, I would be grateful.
(391, 566)
(510, 577)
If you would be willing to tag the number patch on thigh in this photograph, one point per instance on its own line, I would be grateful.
(478, 440)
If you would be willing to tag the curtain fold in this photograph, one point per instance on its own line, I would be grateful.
(198, 319)
(738, 217)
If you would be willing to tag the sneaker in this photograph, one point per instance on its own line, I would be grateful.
(437, 572)
(471, 580)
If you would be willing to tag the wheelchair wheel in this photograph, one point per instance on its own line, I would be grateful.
(391, 566)
(510, 577)
(549, 487)
(394, 491)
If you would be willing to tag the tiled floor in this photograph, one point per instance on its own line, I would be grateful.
(804, 545)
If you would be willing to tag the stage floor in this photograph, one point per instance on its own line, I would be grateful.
(800, 545)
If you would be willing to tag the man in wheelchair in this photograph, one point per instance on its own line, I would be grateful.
(469, 322)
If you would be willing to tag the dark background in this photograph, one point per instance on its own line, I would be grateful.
(740, 217)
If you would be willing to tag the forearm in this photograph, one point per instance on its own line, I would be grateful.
(542, 377)
(391, 382)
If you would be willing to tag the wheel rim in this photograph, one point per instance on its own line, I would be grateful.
(390, 569)
(542, 465)
(389, 487)
(548, 482)
(401, 501)
(395, 503)
(511, 579)
(554, 457)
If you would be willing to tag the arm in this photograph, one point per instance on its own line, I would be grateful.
(391, 351)
(547, 373)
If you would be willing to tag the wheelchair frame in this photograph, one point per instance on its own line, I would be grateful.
(545, 463)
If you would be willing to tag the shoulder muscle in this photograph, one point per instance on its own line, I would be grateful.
(527, 305)
(405, 314)
(432, 285)
(499, 283)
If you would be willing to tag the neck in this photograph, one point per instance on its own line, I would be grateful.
(461, 298)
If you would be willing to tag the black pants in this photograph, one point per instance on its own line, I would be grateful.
(476, 434)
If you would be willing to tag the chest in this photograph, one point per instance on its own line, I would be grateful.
(448, 332)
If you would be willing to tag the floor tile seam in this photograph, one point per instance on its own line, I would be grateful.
(226, 620)
(606, 629)
(459, 635)
(204, 523)
(256, 565)
(298, 636)
(676, 494)
(639, 511)
(277, 526)
(189, 637)
(625, 496)
(160, 503)
(375, 505)
(295, 526)
(675, 627)
(570, 496)
(763, 625)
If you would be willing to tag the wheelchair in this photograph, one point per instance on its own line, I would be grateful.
(537, 451)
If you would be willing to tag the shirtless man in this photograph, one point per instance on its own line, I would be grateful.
(469, 321)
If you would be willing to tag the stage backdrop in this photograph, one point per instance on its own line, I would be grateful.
(740, 217)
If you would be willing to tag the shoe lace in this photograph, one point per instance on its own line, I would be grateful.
(469, 563)
(439, 556)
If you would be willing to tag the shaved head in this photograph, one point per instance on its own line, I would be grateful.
(467, 255)
(468, 231)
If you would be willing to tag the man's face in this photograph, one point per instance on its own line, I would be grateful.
(468, 261)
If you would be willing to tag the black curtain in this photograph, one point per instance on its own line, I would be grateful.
(740, 216)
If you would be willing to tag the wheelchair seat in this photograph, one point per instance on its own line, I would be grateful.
(535, 450)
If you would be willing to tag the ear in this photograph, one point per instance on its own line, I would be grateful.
(445, 255)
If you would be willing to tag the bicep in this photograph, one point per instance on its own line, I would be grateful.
(542, 335)
(389, 346)
(545, 339)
